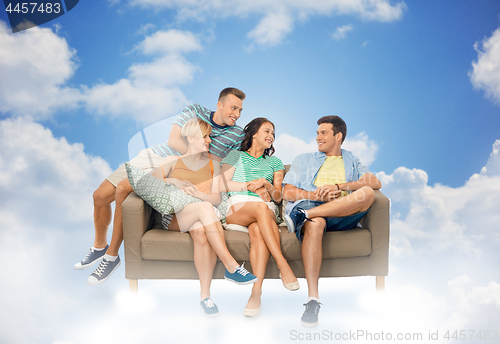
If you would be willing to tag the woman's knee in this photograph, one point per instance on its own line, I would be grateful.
(197, 232)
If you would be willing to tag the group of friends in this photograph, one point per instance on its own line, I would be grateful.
(206, 154)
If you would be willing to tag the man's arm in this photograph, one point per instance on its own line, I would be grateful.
(175, 140)
(367, 179)
(291, 193)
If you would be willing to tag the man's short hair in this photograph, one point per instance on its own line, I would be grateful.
(231, 90)
(337, 123)
(195, 127)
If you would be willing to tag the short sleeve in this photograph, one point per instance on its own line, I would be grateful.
(188, 113)
(292, 176)
(362, 169)
(233, 158)
(276, 164)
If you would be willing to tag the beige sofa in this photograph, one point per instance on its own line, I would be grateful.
(154, 253)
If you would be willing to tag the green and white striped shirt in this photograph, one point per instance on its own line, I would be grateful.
(248, 168)
(224, 138)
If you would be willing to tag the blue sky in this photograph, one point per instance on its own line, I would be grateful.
(417, 82)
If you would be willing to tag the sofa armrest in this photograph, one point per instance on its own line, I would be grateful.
(136, 215)
(378, 223)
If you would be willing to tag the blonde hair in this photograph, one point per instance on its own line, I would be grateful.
(195, 127)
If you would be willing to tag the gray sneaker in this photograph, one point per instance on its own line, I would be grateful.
(92, 257)
(310, 316)
(103, 271)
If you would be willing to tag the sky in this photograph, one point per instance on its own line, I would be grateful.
(418, 83)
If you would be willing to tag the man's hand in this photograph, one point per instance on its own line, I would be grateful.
(264, 194)
(327, 193)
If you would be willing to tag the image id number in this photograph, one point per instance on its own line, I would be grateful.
(33, 7)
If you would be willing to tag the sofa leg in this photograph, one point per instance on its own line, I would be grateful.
(380, 283)
(133, 286)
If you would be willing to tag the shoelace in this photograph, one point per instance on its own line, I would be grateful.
(102, 266)
(312, 309)
(209, 303)
(241, 270)
(91, 252)
(304, 212)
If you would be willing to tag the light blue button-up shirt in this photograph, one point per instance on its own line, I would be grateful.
(305, 167)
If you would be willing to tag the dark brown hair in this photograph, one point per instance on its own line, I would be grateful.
(337, 123)
(250, 130)
(231, 90)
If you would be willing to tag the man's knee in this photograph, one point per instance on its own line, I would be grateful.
(367, 196)
(315, 229)
(105, 193)
(123, 190)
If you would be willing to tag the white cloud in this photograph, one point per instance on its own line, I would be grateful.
(272, 29)
(144, 104)
(278, 17)
(436, 220)
(170, 42)
(485, 74)
(35, 65)
(288, 147)
(341, 32)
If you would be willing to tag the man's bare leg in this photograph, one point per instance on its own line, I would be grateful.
(122, 191)
(312, 253)
(357, 201)
(103, 197)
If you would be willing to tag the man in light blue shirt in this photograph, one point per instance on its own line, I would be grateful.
(329, 190)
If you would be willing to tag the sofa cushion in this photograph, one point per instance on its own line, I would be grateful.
(159, 244)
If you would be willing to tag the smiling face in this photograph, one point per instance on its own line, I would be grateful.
(264, 136)
(327, 141)
(200, 143)
(228, 110)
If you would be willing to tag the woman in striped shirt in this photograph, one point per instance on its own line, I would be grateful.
(253, 180)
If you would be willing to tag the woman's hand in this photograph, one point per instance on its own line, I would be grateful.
(264, 194)
(257, 184)
(191, 190)
(176, 182)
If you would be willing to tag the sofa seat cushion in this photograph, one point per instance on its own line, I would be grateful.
(160, 244)
(344, 244)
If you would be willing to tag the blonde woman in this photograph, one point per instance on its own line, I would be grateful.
(197, 175)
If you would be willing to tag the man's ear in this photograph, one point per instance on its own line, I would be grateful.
(219, 105)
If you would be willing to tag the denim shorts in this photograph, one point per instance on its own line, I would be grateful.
(332, 223)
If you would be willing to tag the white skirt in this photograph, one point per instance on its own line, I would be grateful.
(238, 201)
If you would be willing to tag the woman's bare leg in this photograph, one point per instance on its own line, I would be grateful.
(204, 213)
(204, 258)
(260, 213)
(259, 257)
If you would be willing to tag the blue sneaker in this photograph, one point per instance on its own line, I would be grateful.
(240, 276)
(209, 307)
(310, 316)
(103, 271)
(92, 257)
(296, 219)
